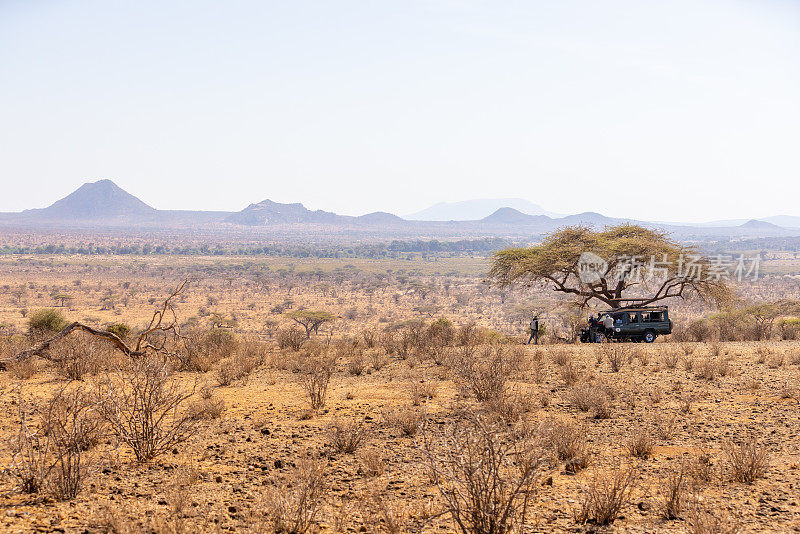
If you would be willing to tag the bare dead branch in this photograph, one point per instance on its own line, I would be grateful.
(144, 343)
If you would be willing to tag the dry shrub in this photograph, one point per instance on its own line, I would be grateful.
(670, 359)
(665, 426)
(617, 355)
(707, 369)
(775, 361)
(656, 395)
(512, 406)
(407, 420)
(422, 391)
(206, 408)
(703, 469)
(291, 338)
(582, 396)
(485, 474)
(640, 444)
(346, 347)
(588, 396)
(79, 355)
(436, 339)
(570, 373)
(238, 368)
(388, 342)
(606, 495)
(372, 463)
(23, 369)
(203, 349)
(747, 462)
(378, 358)
(487, 374)
(469, 337)
(704, 522)
(357, 364)
(346, 436)
(178, 491)
(293, 507)
(566, 438)
(142, 405)
(380, 514)
(561, 357)
(52, 454)
(370, 336)
(316, 371)
(789, 391)
(674, 494)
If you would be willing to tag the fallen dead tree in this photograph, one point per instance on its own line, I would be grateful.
(163, 322)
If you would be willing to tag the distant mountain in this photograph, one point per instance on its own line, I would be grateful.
(104, 205)
(590, 218)
(94, 201)
(269, 212)
(759, 225)
(516, 217)
(474, 210)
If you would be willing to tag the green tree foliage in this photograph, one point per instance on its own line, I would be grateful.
(121, 330)
(45, 322)
(555, 263)
(311, 320)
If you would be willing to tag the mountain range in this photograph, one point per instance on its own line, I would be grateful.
(473, 210)
(103, 204)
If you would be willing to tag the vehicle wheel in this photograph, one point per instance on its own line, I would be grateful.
(649, 336)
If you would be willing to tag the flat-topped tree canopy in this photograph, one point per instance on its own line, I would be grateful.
(311, 320)
(621, 258)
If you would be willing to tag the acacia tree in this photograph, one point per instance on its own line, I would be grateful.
(311, 320)
(624, 258)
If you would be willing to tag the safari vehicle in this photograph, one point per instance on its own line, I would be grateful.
(631, 323)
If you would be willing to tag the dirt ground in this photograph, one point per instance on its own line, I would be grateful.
(690, 403)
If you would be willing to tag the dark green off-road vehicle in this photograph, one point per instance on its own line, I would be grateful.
(642, 323)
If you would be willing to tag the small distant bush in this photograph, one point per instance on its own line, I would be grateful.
(640, 444)
(674, 494)
(605, 496)
(407, 420)
(486, 375)
(565, 438)
(748, 461)
(485, 474)
(291, 338)
(121, 330)
(45, 322)
(346, 436)
(316, 372)
(293, 507)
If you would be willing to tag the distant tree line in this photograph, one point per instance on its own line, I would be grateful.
(394, 250)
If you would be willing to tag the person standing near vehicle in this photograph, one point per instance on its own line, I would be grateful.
(534, 327)
(608, 326)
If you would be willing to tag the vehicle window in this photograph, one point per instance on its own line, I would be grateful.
(652, 317)
(618, 318)
(632, 318)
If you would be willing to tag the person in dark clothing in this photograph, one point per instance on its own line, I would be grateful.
(594, 323)
(534, 327)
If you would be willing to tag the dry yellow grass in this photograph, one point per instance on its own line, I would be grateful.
(266, 442)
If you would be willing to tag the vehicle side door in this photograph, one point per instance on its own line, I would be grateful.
(635, 325)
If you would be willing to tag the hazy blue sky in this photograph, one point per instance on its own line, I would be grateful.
(674, 110)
